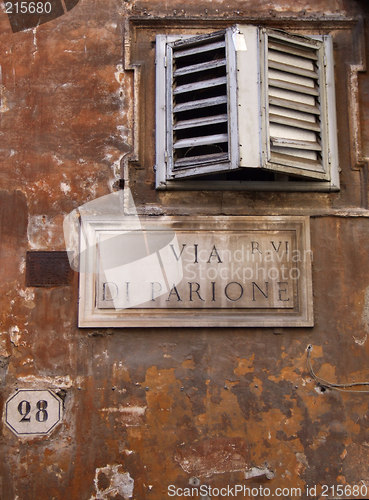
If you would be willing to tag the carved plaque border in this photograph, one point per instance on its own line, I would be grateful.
(299, 313)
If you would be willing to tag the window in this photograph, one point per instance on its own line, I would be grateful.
(246, 100)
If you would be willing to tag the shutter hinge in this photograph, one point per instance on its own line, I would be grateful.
(165, 61)
(166, 156)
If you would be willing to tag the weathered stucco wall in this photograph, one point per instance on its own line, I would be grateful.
(145, 408)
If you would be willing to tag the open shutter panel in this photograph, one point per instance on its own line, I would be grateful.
(295, 105)
(198, 108)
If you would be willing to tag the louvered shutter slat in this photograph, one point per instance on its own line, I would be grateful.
(293, 113)
(290, 143)
(195, 68)
(188, 161)
(286, 103)
(201, 141)
(294, 79)
(205, 84)
(202, 103)
(200, 122)
(296, 161)
(302, 89)
(292, 69)
(293, 50)
(200, 49)
(293, 122)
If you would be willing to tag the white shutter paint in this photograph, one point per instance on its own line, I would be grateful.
(246, 97)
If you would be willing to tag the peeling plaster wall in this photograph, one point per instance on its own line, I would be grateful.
(145, 408)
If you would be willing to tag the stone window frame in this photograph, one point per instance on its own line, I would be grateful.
(140, 31)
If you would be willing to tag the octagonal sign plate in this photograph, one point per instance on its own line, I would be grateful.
(31, 412)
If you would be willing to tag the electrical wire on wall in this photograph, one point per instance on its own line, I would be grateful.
(331, 385)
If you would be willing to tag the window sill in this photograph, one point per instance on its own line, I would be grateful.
(232, 185)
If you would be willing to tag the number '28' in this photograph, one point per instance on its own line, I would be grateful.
(24, 409)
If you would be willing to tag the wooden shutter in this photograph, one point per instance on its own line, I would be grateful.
(294, 93)
(198, 105)
(246, 98)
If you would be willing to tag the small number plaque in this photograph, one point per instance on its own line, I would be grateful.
(33, 412)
